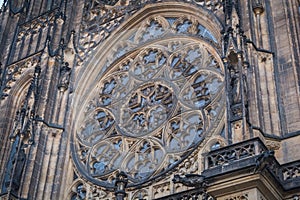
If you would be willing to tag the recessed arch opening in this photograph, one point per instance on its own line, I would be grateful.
(154, 90)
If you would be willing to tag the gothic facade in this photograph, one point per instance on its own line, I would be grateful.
(150, 99)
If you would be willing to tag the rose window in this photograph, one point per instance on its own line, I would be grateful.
(149, 111)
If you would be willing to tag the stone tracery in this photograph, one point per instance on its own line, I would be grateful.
(159, 93)
(149, 111)
(150, 29)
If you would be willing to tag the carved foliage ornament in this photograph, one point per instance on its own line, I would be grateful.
(149, 112)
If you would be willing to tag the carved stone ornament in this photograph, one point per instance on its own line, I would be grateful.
(110, 2)
(149, 112)
(16, 71)
(190, 180)
(239, 197)
(158, 94)
(81, 190)
(273, 145)
(99, 21)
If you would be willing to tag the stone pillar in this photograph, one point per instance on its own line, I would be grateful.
(121, 183)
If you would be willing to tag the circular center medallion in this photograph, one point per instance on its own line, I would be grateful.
(147, 109)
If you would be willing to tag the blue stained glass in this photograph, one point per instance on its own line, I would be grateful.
(7, 176)
(183, 28)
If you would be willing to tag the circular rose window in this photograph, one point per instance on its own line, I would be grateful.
(148, 112)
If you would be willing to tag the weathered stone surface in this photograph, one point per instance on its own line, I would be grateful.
(172, 88)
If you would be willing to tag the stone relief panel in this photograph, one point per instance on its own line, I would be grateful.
(149, 112)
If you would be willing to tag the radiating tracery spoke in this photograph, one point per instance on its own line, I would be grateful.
(183, 28)
(152, 29)
(142, 162)
(150, 110)
(80, 193)
(148, 63)
(106, 156)
(113, 88)
(187, 61)
(183, 131)
(96, 126)
(203, 87)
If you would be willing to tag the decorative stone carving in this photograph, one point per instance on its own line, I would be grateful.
(161, 190)
(23, 125)
(190, 180)
(239, 197)
(273, 145)
(35, 30)
(237, 87)
(120, 185)
(110, 2)
(97, 26)
(151, 28)
(198, 193)
(22, 134)
(263, 160)
(213, 5)
(148, 111)
(226, 155)
(39, 22)
(64, 77)
(15, 166)
(16, 70)
(189, 166)
(141, 194)
(291, 171)
(81, 191)
(147, 108)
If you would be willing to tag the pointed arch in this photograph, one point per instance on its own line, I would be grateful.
(145, 73)
(13, 103)
(90, 72)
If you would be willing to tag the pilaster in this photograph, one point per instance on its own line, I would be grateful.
(235, 58)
